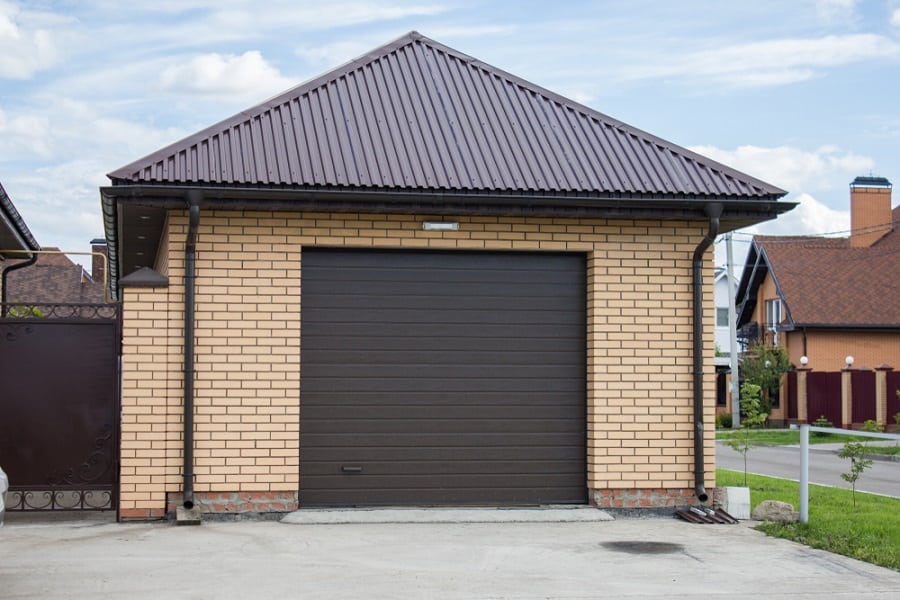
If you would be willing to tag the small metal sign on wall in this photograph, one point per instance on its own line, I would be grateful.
(59, 427)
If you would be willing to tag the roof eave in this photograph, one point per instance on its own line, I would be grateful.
(738, 212)
(844, 326)
(15, 228)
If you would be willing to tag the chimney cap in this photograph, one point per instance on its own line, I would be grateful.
(98, 242)
(870, 181)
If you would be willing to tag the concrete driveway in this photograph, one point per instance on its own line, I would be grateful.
(626, 558)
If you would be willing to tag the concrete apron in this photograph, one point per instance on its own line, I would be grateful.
(549, 514)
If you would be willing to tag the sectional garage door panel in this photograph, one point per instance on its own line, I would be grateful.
(442, 378)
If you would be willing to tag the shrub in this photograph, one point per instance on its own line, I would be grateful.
(724, 421)
(821, 422)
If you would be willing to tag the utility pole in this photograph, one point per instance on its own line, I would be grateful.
(732, 333)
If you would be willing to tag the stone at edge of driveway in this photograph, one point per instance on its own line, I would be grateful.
(454, 515)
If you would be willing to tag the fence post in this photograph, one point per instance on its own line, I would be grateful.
(881, 394)
(847, 397)
(804, 472)
(802, 399)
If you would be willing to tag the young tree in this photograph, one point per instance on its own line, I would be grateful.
(742, 440)
(856, 452)
(763, 366)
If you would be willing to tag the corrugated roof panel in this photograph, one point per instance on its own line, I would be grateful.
(415, 114)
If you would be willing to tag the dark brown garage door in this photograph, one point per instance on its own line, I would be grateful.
(442, 378)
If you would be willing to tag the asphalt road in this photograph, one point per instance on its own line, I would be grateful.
(824, 467)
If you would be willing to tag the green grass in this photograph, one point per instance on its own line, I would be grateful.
(787, 437)
(890, 450)
(869, 532)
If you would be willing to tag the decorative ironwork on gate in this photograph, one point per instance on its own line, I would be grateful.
(60, 437)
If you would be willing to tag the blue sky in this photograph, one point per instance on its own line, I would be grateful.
(804, 94)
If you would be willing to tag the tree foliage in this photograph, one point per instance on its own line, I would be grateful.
(754, 417)
(763, 366)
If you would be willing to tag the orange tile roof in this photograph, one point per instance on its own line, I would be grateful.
(824, 281)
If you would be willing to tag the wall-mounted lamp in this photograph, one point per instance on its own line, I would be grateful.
(440, 226)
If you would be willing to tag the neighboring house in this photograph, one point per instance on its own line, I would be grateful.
(417, 280)
(723, 340)
(15, 238)
(829, 298)
(54, 279)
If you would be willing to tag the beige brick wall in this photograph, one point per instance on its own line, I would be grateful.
(248, 346)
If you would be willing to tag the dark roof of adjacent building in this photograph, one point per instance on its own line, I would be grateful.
(53, 279)
(415, 126)
(14, 233)
(825, 282)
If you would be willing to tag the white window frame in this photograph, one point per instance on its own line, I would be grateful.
(773, 317)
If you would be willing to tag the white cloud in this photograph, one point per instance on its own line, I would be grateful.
(214, 74)
(811, 217)
(793, 169)
(895, 17)
(836, 11)
(62, 127)
(29, 133)
(774, 62)
(24, 47)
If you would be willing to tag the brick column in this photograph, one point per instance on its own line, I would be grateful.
(881, 394)
(846, 398)
(802, 397)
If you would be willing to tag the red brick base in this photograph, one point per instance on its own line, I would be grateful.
(238, 502)
(141, 514)
(644, 498)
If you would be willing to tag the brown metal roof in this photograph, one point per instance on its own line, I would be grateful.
(14, 233)
(826, 282)
(417, 115)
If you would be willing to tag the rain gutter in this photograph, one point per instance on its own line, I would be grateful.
(6, 271)
(713, 211)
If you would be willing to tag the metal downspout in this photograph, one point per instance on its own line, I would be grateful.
(190, 256)
(713, 211)
(14, 267)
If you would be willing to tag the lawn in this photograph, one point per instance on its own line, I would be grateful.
(786, 437)
(869, 532)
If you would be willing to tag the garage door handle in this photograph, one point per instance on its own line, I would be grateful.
(351, 469)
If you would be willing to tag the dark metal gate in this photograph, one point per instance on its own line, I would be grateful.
(59, 406)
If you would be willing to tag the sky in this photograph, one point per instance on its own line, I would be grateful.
(803, 94)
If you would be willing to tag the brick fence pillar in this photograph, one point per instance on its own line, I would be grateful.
(846, 397)
(881, 394)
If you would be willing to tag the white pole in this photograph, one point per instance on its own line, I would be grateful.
(804, 473)
(732, 333)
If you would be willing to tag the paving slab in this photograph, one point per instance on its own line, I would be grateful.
(625, 558)
(550, 514)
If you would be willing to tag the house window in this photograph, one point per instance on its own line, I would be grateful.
(721, 317)
(773, 318)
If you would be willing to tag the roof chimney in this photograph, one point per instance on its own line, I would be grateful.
(98, 265)
(870, 210)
